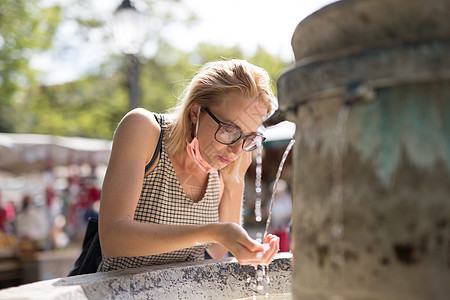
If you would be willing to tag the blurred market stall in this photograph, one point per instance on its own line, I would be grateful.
(59, 177)
(21, 153)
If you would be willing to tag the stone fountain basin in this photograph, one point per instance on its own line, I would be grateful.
(209, 279)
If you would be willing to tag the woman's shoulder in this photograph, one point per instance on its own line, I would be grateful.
(138, 128)
(140, 120)
(140, 115)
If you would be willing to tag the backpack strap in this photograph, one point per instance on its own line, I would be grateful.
(158, 149)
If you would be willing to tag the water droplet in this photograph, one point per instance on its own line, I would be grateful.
(337, 231)
(258, 187)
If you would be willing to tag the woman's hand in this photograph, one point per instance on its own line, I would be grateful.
(246, 250)
(271, 247)
(236, 169)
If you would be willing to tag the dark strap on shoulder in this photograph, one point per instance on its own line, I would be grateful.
(158, 146)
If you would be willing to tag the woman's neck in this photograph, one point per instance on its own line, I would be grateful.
(183, 161)
(192, 179)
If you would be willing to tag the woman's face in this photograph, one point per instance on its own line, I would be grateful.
(244, 113)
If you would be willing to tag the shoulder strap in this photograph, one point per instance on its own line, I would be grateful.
(158, 146)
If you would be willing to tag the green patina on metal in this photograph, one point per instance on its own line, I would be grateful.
(411, 119)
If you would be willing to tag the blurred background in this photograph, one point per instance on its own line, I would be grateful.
(70, 70)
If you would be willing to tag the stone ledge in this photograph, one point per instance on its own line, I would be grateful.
(209, 279)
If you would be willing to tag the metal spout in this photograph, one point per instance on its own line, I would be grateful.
(278, 117)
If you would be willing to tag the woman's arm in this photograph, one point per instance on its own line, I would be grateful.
(230, 208)
(134, 143)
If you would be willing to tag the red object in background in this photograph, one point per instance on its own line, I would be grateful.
(50, 195)
(2, 218)
(88, 195)
(93, 194)
(284, 239)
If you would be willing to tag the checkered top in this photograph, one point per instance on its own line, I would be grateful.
(163, 201)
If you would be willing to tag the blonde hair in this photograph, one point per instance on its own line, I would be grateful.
(209, 85)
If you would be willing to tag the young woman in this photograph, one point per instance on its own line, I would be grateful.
(174, 183)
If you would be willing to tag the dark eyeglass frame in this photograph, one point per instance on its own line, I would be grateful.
(241, 134)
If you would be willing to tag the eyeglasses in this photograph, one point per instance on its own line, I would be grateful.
(228, 134)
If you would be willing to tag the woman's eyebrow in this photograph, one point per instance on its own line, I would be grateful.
(227, 121)
(234, 124)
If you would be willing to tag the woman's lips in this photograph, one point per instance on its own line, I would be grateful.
(224, 160)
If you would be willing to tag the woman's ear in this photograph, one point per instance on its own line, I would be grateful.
(193, 113)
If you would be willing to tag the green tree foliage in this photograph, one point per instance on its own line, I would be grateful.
(272, 64)
(24, 29)
(89, 107)
(93, 106)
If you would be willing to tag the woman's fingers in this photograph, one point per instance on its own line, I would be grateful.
(247, 250)
(239, 243)
(273, 248)
(252, 245)
(264, 257)
(247, 257)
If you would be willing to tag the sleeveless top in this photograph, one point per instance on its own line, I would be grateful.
(163, 201)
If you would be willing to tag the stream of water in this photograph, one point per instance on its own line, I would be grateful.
(274, 190)
(262, 276)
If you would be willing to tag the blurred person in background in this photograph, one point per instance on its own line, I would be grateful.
(3, 218)
(32, 225)
(7, 215)
(281, 214)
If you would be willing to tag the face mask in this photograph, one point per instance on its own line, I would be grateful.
(193, 150)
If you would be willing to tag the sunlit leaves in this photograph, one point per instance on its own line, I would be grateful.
(25, 28)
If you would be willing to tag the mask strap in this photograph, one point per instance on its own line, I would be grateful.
(198, 117)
